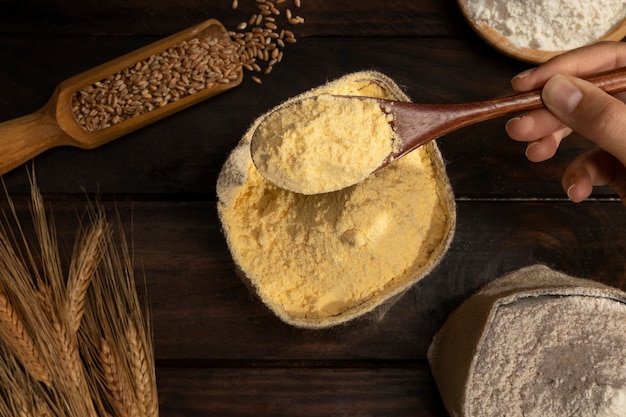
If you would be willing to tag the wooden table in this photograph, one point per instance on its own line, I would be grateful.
(219, 352)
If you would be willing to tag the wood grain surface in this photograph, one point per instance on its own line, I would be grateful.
(219, 351)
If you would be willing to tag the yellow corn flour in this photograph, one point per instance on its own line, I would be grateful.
(323, 143)
(322, 255)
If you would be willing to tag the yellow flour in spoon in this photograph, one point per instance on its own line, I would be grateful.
(322, 144)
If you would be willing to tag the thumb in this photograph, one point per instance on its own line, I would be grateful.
(589, 111)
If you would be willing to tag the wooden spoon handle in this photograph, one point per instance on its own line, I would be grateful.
(24, 138)
(611, 81)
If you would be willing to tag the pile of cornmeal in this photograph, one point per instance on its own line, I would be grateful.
(323, 259)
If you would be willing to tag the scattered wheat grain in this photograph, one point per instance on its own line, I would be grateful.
(263, 37)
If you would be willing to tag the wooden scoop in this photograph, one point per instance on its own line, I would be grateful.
(416, 124)
(55, 124)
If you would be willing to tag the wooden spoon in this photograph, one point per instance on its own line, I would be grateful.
(534, 56)
(55, 123)
(416, 124)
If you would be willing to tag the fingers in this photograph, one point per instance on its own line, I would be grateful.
(594, 168)
(600, 57)
(541, 130)
(546, 147)
(589, 111)
(533, 125)
(575, 105)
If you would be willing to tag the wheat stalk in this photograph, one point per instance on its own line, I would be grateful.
(75, 344)
(50, 261)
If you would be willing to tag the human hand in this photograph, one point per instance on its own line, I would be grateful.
(573, 104)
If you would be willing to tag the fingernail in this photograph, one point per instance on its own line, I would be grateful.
(525, 74)
(561, 95)
(569, 191)
(515, 119)
(530, 145)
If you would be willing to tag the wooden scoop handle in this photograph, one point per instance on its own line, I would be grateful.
(24, 138)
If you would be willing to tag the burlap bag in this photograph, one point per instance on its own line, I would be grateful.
(234, 175)
(454, 350)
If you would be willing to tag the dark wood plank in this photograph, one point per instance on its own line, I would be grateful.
(183, 154)
(492, 239)
(202, 312)
(325, 18)
(230, 392)
(219, 350)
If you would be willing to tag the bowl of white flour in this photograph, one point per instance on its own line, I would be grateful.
(536, 30)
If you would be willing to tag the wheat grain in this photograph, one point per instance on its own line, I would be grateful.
(158, 80)
(262, 37)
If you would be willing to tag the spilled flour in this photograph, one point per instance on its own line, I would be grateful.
(549, 25)
(553, 357)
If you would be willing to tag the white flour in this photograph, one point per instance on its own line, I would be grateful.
(553, 358)
(549, 25)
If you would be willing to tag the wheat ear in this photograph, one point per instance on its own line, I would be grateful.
(82, 270)
(70, 369)
(19, 395)
(22, 346)
(117, 386)
(142, 374)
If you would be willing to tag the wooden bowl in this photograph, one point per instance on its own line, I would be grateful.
(534, 56)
